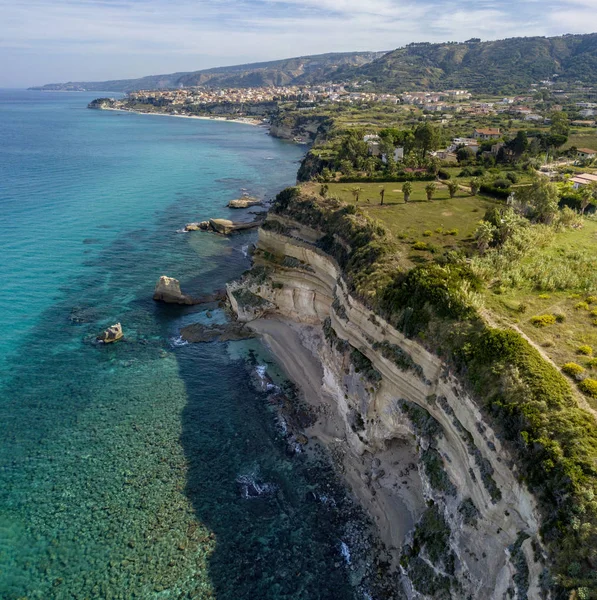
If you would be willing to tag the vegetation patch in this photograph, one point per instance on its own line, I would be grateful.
(403, 360)
(543, 320)
(364, 367)
(470, 513)
(436, 472)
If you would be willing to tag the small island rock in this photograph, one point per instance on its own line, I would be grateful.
(167, 289)
(112, 334)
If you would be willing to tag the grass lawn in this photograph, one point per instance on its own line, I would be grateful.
(443, 223)
(582, 138)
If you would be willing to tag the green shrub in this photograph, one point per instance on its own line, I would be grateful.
(544, 296)
(591, 300)
(581, 306)
(451, 232)
(439, 230)
(420, 246)
(572, 369)
(560, 317)
(589, 387)
(427, 233)
(585, 350)
(594, 312)
(592, 363)
(543, 320)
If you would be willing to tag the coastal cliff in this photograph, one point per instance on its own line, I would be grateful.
(471, 452)
(457, 525)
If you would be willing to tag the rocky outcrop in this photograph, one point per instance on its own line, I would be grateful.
(477, 526)
(111, 335)
(167, 289)
(244, 202)
(226, 227)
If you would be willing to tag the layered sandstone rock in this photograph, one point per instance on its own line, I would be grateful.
(167, 289)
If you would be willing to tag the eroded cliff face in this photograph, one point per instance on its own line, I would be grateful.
(439, 483)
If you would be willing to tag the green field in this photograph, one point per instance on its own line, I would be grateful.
(441, 224)
(582, 138)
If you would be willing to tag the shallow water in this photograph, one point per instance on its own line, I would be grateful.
(149, 468)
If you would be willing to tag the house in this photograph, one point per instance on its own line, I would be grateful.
(398, 155)
(488, 133)
(586, 153)
(583, 179)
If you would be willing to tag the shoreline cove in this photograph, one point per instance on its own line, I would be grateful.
(239, 120)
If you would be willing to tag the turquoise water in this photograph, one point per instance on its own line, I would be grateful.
(125, 469)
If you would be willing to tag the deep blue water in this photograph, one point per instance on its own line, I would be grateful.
(121, 467)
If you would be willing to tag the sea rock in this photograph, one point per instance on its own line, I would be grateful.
(203, 225)
(226, 227)
(112, 334)
(167, 289)
(244, 202)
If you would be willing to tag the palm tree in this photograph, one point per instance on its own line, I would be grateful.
(430, 190)
(407, 190)
(452, 188)
(382, 194)
(356, 192)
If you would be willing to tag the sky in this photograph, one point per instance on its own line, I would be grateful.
(51, 41)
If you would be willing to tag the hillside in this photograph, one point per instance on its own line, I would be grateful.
(306, 69)
(501, 66)
(498, 66)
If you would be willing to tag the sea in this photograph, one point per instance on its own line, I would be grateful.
(150, 468)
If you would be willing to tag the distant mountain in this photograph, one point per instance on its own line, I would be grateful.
(305, 69)
(500, 66)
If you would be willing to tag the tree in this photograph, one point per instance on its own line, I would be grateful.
(452, 188)
(427, 138)
(464, 154)
(323, 190)
(588, 197)
(370, 166)
(559, 124)
(382, 194)
(541, 197)
(519, 145)
(430, 191)
(356, 192)
(475, 186)
(407, 190)
(485, 235)
(346, 168)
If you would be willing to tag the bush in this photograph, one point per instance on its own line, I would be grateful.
(490, 190)
(581, 306)
(420, 246)
(427, 233)
(451, 232)
(572, 369)
(543, 320)
(560, 318)
(592, 363)
(591, 299)
(589, 387)
(501, 184)
(512, 177)
(594, 312)
(585, 350)
(443, 174)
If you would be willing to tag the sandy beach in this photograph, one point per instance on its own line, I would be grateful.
(241, 120)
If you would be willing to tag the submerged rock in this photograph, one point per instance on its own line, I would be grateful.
(167, 289)
(199, 333)
(112, 334)
(244, 202)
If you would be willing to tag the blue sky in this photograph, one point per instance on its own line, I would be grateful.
(44, 41)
